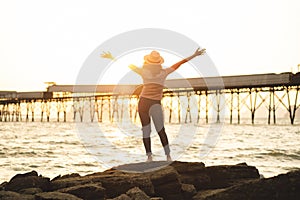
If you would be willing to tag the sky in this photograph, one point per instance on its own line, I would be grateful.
(43, 41)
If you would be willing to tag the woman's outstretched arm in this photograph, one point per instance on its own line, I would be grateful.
(198, 52)
(135, 69)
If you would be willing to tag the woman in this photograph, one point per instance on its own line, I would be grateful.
(149, 105)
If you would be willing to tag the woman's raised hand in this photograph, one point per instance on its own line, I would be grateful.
(199, 52)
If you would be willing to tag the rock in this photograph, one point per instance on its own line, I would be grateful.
(117, 185)
(203, 194)
(242, 164)
(2, 185)
(9, 195)
(137, 194)
(27, 180)
(228, 175)
(216, 176)
(28, 174)
(55, 196)
(284, 186)
(164, 179)
(61, 183)
(188, 191)
(59, 177)
(111, 171)
(166, 183)
(121, 197)
(133, 194)
(88, 192)
(188, 167)
(31, 191)
(27, 197)
(142, 167)
(165, 175)
(192, 173)
(114, 181)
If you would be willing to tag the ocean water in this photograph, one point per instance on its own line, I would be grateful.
(57, 148)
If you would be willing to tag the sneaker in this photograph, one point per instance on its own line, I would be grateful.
(149, 159)
(169, 159)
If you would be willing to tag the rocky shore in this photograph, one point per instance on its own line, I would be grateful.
(156, 181)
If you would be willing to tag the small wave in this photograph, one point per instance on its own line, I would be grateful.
(246, 149)
(33, 166)
(63, 142)
(49, 152)
(281, 155)
(22, 153)
(84, 165)
(5, 165)
(291, 168)
(18, 169)
(58, 166)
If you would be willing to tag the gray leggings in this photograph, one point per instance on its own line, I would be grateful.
(148, 109)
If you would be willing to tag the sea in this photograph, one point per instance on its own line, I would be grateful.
(59, 148)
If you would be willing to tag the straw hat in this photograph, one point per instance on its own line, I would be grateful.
(153, 58)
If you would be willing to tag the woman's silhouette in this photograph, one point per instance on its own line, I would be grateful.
(149, 105)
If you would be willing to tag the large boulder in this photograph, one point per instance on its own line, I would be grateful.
(117, 185)
(166, 183)
(214, 177)
(192, 173)
(27, 180)
(27, 174)
(115, 182)
(187, 167)
(163, 177)
(228, 175)
(281, 187)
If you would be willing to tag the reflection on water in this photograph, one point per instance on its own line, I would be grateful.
(61, 148)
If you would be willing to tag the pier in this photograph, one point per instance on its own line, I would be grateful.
(192, 100)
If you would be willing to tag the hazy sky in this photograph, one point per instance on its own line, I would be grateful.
(49, 40)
